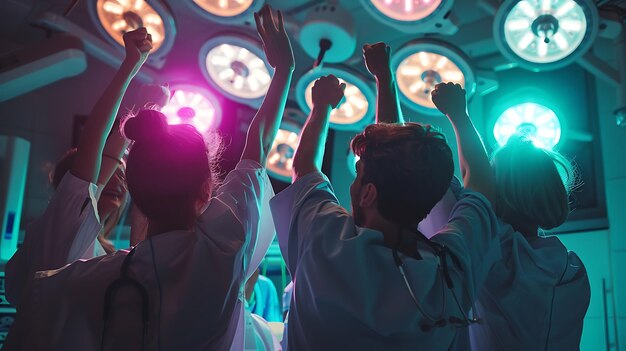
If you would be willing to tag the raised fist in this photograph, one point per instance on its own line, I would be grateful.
(138, 44)
(449, 98)
(328, 91)
(376, 58)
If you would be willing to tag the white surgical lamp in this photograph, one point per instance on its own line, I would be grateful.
(421, 65)
(235, 65)
(545, 34)
(357, 109)
(116, 17)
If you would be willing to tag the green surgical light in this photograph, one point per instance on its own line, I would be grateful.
(537, 122)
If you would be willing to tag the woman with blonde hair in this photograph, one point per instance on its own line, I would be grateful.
(536, 296)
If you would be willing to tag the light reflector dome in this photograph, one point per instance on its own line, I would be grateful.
(117, 17)
(537, 122)
(542, 34)
(235, 65)
(224, 8)
(406, 10)
(420, 66)
(357, 109)
(280, 158)
(413, 16)
(193, 105)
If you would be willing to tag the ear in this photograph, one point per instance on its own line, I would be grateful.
(369, 195)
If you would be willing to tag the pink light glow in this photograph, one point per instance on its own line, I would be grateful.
(187, 106)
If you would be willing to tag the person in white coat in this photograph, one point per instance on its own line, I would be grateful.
(536, 296)
(179, 288)
(368, 280)
(50, 241)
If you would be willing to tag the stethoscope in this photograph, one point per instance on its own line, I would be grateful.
(126, 281)
(442, 252)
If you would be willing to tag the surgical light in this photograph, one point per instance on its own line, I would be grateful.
(545, 34)
(536, 122)
(413, 16)
(406, 10)
(235, 65)
(280, 158)
(192, 105)
(117, 17)
(421, 65)
(357, 109)
(225, 9)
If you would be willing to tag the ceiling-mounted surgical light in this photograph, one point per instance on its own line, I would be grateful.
(421, 16)
(192, 105)
(357, 109)
(537, 122)
(116, 17)
(423, 64)
(235, 65)
(227, 11)
(280, 158)
(545, 34)
(327, 34)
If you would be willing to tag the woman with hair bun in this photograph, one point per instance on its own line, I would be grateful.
(536, 296)
(179, 288)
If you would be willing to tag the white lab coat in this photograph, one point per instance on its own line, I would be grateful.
(535, 298)
(348, 292)
(193, 279)
(71, 213)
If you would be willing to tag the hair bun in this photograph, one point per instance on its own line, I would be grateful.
(146, 126)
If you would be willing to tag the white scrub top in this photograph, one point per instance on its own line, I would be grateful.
(193, 279)
(71, 217)
(348, 292)
(535, 298)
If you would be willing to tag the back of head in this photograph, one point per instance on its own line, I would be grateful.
(532, 184)
(411, 166)
(168, 168)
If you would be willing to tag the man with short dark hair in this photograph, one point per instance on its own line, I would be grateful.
(369, 280)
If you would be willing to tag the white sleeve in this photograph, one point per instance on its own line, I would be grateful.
(61, 235)
(304, 211)
(246, 192)
(472, 236)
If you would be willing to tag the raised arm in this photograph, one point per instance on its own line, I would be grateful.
(150, 96)
(327, 93)
(138, 44)
(376, 58)
(264, 126)
(475, 167)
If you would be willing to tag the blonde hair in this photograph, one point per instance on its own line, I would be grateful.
(533, 184)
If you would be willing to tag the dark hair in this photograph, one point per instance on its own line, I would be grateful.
(167, 168)
(532, 184)
(411, 166)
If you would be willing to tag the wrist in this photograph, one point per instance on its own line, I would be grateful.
(321, 108)
(384, 76)
(458, 115)
(288, 70)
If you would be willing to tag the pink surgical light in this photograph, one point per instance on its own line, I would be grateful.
(191, 106)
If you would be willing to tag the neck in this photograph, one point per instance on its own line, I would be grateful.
(155, 228)
(408, 245)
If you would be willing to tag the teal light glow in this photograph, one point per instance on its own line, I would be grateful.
(544, 31)
(537, 122)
